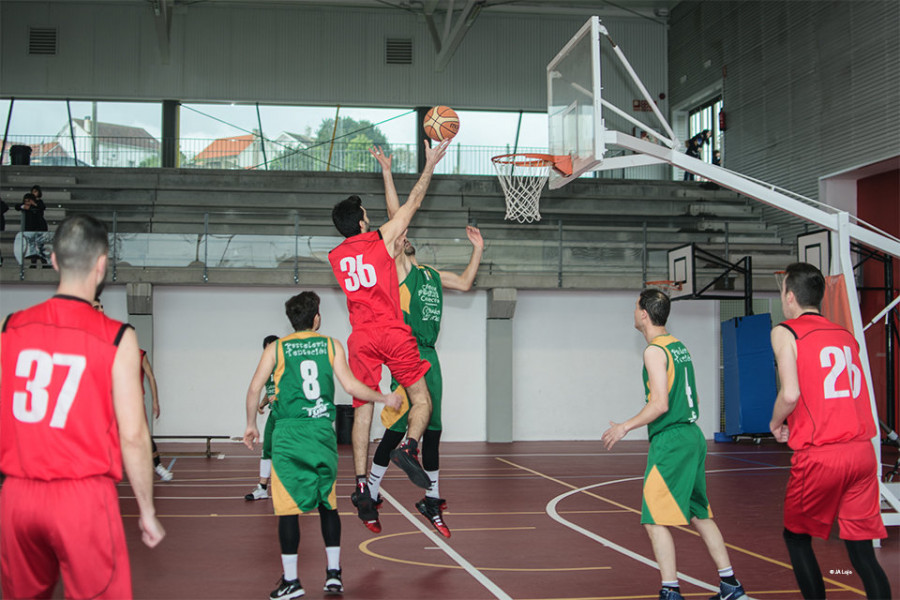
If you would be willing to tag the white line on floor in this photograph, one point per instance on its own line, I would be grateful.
(478, 575)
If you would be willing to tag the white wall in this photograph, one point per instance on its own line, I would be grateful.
(578, 363)
(577, 358)
(208, 342)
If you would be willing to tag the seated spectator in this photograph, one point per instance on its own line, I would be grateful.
(34, 227)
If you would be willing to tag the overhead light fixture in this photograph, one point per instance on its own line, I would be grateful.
(661, 12)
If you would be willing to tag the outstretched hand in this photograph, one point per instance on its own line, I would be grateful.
(612, 435)
(474, 235)
(383, 159)
(434, 155)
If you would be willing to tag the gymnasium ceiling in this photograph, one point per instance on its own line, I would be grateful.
(656, 10)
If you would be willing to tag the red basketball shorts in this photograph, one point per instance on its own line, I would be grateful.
(391, 345)
(835, 481)
(69, 526)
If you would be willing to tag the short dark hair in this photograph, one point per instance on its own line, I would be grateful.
(806, 282)
(301, 310)
(269, 339)
(29, 196)
(657, 305)
(79, 241)
(347, 214)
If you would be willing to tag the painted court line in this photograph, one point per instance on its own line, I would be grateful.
(440, 543)
(551, 510)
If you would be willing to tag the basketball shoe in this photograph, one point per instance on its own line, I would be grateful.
(408, 459)
(258, 493)
(164, 473)
(431, 510)
(287, 589)
(333, 583)
(669, 594)
(365, 507)
(729, 592)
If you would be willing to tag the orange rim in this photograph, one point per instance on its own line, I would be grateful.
(675, 285)
(562, 164)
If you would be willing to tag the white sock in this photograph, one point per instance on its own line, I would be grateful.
(265, 468)
(434, 490)
(289, 565)
(726, 572)
(333, 555)
(375, 476)
(671, 584)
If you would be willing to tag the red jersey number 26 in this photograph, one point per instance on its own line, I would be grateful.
(359, 274)
(837, 360)
(37, 367)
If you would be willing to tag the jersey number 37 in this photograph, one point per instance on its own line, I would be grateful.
(31, 405)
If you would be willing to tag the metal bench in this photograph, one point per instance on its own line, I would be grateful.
(208, 439)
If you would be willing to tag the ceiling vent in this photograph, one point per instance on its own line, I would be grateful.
(398, 51)
(42, 40)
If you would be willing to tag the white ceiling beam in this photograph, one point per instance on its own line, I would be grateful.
(463, 22)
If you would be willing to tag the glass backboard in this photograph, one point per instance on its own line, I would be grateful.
(573, 103)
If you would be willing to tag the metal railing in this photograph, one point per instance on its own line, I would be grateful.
(254, 153)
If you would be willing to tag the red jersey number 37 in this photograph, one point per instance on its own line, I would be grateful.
(359, 274)
(37, 367)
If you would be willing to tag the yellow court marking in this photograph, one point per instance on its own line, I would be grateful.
(685, 529)
(364, 547)
(686, 595)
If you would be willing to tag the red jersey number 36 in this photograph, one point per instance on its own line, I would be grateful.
(359, 274)
(37, 367)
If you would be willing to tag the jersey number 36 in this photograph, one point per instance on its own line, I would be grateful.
(359, 274)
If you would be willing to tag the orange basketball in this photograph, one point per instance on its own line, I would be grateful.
(441, 123)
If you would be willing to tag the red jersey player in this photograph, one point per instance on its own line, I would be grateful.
(364, 267)
(70, 399)
(825, 401)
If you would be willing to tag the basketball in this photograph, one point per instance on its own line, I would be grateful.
(441, 123)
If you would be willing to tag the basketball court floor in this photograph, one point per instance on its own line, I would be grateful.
(529, 521)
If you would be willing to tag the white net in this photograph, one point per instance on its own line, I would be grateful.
(522, 177)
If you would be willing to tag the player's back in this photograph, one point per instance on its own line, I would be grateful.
(682, 387)
(834, 399)
(57, 419)
(366, 272)
(304, 377)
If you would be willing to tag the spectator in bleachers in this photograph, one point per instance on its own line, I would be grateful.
(34, 228)
(694, 146)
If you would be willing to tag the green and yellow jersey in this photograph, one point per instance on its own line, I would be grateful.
(422, 303)
(681, 385)
(304, 377)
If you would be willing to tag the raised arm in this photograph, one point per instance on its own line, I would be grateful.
(354, 386)
(151, 379)
(464, 281)
(257, 383)
(390, 190)
(134, 437)
(397, 225)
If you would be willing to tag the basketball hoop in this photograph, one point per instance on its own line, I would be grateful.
(779, 278)
(667, 286)
(522, 177)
